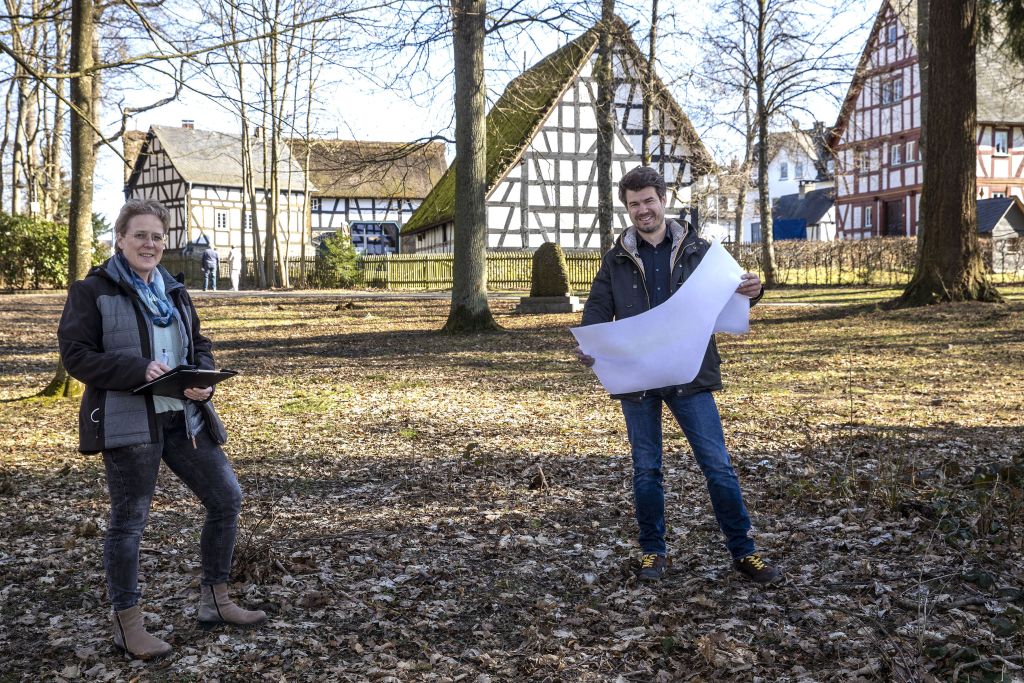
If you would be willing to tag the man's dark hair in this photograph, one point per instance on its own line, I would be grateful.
(639, 178)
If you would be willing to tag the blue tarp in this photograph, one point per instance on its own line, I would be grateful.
(789, 229)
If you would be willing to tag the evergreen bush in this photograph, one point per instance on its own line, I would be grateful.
(550, 274)
(337, 262)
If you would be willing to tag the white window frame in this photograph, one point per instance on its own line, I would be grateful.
(896, 155)
(784, 170)
(1003, 149)
(891, 34)
(869, 216)
(314, 204)
(998, 195)
(908, 152)
(220, 220)
(798, 170)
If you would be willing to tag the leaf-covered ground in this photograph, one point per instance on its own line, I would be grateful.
(422, 507)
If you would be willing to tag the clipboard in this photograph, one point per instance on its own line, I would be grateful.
(174, 383)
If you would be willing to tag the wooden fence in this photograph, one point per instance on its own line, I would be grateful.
(879, 261)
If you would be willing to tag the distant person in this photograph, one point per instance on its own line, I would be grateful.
(649, 262)
(108, 346)
(211, 264)
(235, 264)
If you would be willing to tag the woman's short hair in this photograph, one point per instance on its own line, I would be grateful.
(639, 178)
(140, 207)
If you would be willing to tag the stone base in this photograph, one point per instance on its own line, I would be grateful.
(549, 304)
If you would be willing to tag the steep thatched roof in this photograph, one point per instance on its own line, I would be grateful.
(353, 168)
(524, 106)
(206, 157)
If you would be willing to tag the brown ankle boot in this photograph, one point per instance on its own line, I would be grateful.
(215, 607)
(130, 635)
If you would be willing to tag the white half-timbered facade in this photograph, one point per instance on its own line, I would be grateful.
(542, 154)
(197, 175)
(366, 181)
(879, 173)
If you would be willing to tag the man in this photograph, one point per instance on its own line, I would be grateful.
(211, 264)
(649, 261)
(235, 265)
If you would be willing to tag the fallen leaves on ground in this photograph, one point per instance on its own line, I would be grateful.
(426, 507)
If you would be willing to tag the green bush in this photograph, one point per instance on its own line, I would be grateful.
(33, 253)
(550, 275)
(336, 262)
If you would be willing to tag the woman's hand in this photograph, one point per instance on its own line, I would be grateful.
(199, 393)
(155, 369)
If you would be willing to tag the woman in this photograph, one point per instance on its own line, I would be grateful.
(127, 323)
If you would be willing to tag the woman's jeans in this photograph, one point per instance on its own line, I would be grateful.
(131, 481)
(698, 417)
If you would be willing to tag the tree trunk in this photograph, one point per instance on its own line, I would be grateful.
(469, 309)
(605, 127)
(763, 200)
(85, 96)
(645, 135)
(949, 266)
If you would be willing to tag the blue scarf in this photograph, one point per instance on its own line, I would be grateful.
(153, 295)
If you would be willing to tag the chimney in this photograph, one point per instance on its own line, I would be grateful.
(188, 124)
(803, 188)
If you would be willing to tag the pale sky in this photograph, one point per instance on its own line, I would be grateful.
(354, 109)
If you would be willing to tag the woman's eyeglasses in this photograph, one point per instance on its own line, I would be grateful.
(143, 237)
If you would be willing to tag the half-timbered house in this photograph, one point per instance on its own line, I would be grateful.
(542, 153)
(878, 161)
(366, 181)
(197, 175)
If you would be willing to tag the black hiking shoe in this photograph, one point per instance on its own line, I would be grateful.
(652, 567)
(756, 569)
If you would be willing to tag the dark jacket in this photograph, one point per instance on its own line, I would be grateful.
(620, 291)
(105, 342)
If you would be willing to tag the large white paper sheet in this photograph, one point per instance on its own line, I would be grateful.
(665, 345)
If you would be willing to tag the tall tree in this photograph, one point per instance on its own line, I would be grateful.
(469, 309)
(605, 124)
(85, 96)
(765, 60)
(652, 53)
(949, 263)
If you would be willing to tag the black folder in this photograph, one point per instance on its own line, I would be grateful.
(174, 383)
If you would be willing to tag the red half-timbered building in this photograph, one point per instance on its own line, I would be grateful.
(878, 159)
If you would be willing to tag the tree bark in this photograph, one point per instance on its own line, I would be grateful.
(469, 309)
(949, 265)
(764, 201)
(85, 91)
(605, 127)
(645, 135)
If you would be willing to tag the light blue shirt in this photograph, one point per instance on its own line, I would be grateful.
(167, 349)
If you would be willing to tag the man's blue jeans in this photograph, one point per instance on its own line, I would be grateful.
(131, 480)
(209, 279)
(698, 417)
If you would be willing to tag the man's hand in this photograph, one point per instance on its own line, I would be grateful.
(750, 286)
(198, 393)
(155, 369)
(584, 358)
